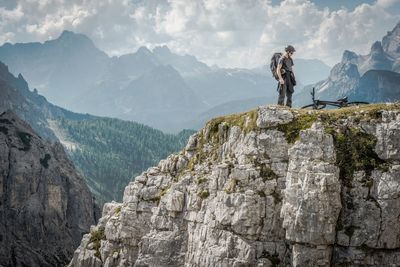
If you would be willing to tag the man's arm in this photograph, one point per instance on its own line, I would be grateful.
(278, 72)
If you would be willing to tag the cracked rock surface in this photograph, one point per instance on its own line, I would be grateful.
(271, 187)
(45, 205)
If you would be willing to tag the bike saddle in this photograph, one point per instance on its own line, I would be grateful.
(344, 99)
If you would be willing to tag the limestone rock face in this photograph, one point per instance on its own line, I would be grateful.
(271, 187)
(45, 206)
(312, 197)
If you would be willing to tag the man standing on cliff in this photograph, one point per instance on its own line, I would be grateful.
(285, 73)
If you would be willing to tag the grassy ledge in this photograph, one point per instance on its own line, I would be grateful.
(211, 138)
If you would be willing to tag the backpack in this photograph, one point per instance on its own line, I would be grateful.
(274, 64)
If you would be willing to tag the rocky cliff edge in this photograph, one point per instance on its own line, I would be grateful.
(270, 187)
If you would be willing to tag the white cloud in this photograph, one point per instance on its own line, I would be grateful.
(226, 32)
(386, 3)
(11, 16)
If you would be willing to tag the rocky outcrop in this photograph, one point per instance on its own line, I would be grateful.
(45, 206)
(270, 187)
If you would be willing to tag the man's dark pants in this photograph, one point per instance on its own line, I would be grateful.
(287, 90)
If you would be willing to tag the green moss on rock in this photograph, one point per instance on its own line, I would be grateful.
(95, 238)
(118, 210)
(204, 194)
(292, 129)
(201, 180)
(245, 121)
(305, 118)
(355, 152)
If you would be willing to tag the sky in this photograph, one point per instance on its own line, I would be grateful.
(229, 33)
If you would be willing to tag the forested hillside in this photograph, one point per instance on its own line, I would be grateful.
(114, 151)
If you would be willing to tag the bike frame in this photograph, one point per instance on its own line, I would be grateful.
(323, 102)
(331, 103)
(340, 103)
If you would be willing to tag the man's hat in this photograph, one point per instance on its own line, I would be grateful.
(290, 48)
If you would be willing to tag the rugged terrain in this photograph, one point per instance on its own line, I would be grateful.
(270, 187)
(45, 206)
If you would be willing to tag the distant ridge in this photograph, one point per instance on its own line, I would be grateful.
(73, 73)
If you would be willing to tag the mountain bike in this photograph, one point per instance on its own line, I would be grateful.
(340, 103)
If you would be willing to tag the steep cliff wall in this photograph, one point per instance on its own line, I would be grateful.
(271, 187)
(45, 206)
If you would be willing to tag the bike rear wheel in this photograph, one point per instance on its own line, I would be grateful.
(311, 106)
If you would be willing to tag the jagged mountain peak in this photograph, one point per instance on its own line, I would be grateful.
(8, 79)
(4, 72)
(22, 79)
(395, 30)
(67, 34)
(74, 43)
(377, 47)
(162, 50)
(143, 50)
(70, 36)
(377, 59)
(349, 56)
(391, 42)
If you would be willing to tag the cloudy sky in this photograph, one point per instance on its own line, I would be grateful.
(230, 33)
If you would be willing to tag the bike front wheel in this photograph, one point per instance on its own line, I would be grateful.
(356, 103)
(311, 106)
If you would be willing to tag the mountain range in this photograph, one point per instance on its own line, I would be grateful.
(108, 152)
(156, 87)
(373, 77)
